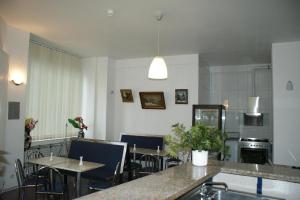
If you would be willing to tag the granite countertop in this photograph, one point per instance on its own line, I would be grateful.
(275, 172)
(176, 181)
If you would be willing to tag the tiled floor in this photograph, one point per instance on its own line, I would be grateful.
(13, 194)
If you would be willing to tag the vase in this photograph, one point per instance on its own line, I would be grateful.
(199, 158)
(80, 134)
(27, 140)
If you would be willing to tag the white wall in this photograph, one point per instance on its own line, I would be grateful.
(110, 100)
(88, 94)
(94, 102)
(132, 74)
(16, 44)
(286, 66)
(2, 31)
(3, 96)
(236, 84)
(204, 83)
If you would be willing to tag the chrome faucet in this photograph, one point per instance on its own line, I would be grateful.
(214, 183)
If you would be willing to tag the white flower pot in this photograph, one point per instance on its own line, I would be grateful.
(199, 158)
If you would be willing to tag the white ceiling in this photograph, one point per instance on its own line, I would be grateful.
(223, 32)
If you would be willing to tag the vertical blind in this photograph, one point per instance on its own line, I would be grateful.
(54, 87)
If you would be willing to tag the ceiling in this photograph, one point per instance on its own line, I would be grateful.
(223, 32)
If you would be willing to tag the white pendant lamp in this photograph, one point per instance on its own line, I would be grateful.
(158, 68)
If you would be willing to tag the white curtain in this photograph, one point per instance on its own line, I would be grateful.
(54, 88)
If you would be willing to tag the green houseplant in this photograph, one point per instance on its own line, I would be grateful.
(199, 139)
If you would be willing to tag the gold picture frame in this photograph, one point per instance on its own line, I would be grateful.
(126, 95)
(152, 100)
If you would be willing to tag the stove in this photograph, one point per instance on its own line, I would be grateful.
(254, 139)
(254, 150)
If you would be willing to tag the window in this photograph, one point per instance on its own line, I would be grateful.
(54, 88)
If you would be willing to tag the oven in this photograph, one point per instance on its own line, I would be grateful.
(254, 150)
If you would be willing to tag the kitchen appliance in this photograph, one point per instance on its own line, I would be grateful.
(255, 150)
(253, 106)
(253, 117)
(209, 115)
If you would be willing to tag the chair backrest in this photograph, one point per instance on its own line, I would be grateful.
(20, 173)
(151, 164)
(141, 141)
(32, 168)
(51, 179)
(108, 153)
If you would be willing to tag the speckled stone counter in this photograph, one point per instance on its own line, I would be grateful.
(276, 172)
(176, 181)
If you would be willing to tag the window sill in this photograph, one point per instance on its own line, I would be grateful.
(50, 141)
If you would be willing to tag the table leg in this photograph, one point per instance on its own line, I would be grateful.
(159, 163)
(51, 179)
(134, 159)
(78, 184)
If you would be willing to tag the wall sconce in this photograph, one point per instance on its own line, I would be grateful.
(17, 79)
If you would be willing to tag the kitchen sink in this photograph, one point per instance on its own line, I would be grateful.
(208, 192)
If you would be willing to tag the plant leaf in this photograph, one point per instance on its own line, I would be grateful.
(74, 123)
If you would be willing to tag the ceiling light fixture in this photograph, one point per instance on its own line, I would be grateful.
(158, 68)
(110, 12)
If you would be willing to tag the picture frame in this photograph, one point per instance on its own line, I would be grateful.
(152, 100)
(126, 95)
(181, 96)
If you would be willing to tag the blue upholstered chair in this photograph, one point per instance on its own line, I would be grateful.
(111, 154)
(147, 142)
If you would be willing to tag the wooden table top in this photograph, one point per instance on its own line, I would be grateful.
(151, 152)
(66, 163)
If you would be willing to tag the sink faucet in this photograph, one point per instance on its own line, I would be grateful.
(214, 183)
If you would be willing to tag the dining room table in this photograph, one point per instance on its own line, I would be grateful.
(68, 164)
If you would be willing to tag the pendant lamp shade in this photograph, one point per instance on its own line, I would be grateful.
(158, 69)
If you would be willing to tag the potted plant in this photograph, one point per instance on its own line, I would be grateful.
(199, 140)
(30, 124)
(77, 122)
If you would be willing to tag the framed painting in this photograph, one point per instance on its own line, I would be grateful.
(181, 96)
(126, 95)
(152, 100)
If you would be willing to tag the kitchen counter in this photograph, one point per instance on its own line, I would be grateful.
(176, 181)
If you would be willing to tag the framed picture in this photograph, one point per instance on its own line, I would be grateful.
(152, 100)
(181, 96)
(126, 95)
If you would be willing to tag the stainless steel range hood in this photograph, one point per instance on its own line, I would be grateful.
(253, 107)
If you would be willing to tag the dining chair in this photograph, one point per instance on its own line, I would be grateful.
(98, 185)
(23, 181)
(29, 167)
(111, 154)
(130, 167)
(150, 165)
(140, 141)
(172, 162)
(54, 185)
